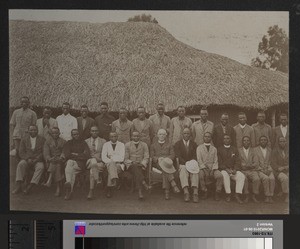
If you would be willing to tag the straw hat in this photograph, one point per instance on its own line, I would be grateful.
(166, 165)
(192, 166)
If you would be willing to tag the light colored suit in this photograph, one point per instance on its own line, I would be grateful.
(240, 133)
(199, 128)
(123, 130)
(265, 171)
(262, 130)
(208, 164)
(113, 159)
(177, 127)
(146, 132)
(45, 131)
(158, 122)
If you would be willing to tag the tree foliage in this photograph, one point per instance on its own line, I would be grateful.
(142, 18)
(273, 51)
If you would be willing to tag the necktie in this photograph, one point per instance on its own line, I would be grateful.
(283, 153)
(186, 147)
(114, 146)
(207, 147)
(93, 145)
(136, 145)
(224, 129)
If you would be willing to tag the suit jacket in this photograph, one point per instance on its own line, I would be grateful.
(177, 128)
(160, 123)
(207, 159)
(104, 125)
(183, 154)
(276, 133)
(117, 154)
(264, 164)
(198, 130)
(259, 131)
(26, 152)
(162, 150)
(86, 132)
(250, 163)
(123, 130)
(228, 158)
(278, 160)
(51, 149)
(218, 135)
(45, 131)
(135, 153)
(98, 150)
(146, 132)
(240, 133)
(77, 146)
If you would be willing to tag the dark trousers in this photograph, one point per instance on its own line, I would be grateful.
(138, 174)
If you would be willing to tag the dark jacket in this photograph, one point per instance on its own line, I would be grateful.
(104, 123)
(162, 150)
(182, 154)
(26, 152)
(77, 146)
(278, 160)
(218, 135)
(228, 158)
(85, 133)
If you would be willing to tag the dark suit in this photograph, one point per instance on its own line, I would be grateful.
(104, 123)
(35, 154)
(84, 133)
(218, 135)
(277, 133)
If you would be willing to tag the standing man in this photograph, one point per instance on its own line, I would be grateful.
(162, 154)
(281, 131)
(104, 121)
(266, 175)
(113, 154)
(54, 158)
(249, 167)
(160, 120)
(229, 164)
(143, 126)
(31, 154)
(20, 121)
(76, 153)
(262, 129)
(243, 129)
(178, 124)
(201, 126)
(280, 165)
(94, 164)
(136, 160)
(221, 129)
(207, 157)
(46, 123)
(185, 151)
(122, 126)
(84, 123)
(66, 122)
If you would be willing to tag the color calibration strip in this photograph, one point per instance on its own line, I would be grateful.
(173, 243)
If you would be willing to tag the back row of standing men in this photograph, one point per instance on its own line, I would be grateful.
(22, 118)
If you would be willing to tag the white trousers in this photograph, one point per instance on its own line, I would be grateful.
(239, 179)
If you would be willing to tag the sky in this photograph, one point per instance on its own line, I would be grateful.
(234, 34)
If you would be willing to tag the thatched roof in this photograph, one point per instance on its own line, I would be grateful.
(129, 64)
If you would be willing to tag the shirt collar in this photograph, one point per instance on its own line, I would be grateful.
(243, 126)
(207, 144)
(161, 142)
(227, 146)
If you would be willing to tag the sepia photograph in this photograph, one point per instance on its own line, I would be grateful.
(149, 112)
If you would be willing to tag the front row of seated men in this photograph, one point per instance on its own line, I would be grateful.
(198, 165)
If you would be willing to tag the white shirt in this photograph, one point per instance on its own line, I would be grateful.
(246, 151)
(33, 142)
(243, 126)
(264, 151)
(186, 143)
(96, 142)
(66, 123)
(283, 130)
(116, 155)
(227, 146)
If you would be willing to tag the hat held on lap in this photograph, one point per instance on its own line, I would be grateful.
(192, 166)
(166, 165)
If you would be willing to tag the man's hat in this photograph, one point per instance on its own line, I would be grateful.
(166, 165)
(192, 166)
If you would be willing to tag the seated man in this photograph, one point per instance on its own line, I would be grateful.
(136, 160)
(31, 154)
(159, 150)
(76, 152)
(113, 154)
(94, 163)
(229, 164)
(266, 175)
(54, 158)
(185, 151)
(249, 167)
(207, 157)
(280, 165)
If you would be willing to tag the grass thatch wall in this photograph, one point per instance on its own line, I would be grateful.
(128, 64)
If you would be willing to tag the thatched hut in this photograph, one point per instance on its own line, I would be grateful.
(131, 64)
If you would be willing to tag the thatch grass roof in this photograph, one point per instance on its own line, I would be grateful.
(129, 64)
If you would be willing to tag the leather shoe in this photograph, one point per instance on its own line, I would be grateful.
(108, 193)
(17, 190)
(204, 196)
(141, 196)
(195, 198)
(90, 195)
(246, 200)
(228, 198)
(186, 197)
(254, 199)
(68, 191)
(167, 195)
(271, 199)
(217, 196)
(176, 190)
(238, 199)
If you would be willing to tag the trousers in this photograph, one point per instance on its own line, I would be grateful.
(184, 177)
(253, 177)
(208, 176)
(239, 178)
(268, 182)
(23, 168)
(95, 168)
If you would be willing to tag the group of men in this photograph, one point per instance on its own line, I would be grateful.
(202, 153)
